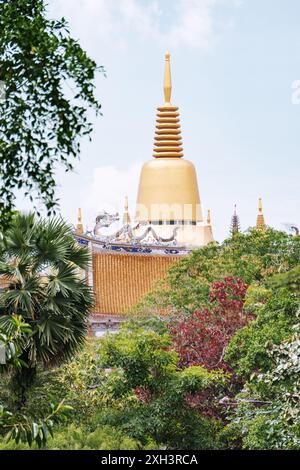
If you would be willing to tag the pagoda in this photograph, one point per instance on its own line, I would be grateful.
(168, 223)
(168, 195)
(235, 226)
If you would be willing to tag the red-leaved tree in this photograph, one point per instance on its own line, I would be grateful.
(201, 339)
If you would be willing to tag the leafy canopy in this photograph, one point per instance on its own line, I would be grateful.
(41, 265)
(153, 394)
(274, 322)
(252, 257)
(266, 354)
(48, 83)
(18, 426)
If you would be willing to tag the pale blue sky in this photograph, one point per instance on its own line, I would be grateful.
(233, 65)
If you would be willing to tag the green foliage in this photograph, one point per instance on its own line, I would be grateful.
(272, 419)
(128, 392)
(18, 426)
(13, 337)
(76, 437)
(138, 402)
(247, 350)
(140, 354)
(268, 411)
(102, 438)
(289, 280)
(253, 257)
(266, 416)
(145, 374)
(41, 262)
(256, 297)
(24, 429)
(49, 89)
(79, 382)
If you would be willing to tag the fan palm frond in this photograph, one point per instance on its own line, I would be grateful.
(44, 265)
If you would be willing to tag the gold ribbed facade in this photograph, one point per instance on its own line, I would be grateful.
(122, 280)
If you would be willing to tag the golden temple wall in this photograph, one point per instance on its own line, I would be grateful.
(121, 280)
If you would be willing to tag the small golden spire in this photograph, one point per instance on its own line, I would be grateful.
(126, 216)
(167, 81)
(260, 221)
(79, 228)
(208, 220)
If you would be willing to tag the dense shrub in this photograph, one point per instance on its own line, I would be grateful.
(201, 338)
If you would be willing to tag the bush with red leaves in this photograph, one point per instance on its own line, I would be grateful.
(201, 339)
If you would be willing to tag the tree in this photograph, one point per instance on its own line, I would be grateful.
(151, 396)
(289, 280)
(41, 119)
(266, 353)
(21, 427)
(41, 262)
(267, 415)
(201, 338)
(252, 257)
(274, 322)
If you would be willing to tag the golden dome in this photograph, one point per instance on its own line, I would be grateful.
(168, 190)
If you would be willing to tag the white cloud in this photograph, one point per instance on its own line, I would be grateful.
(109, 187)
(194, 26)
(190, 23)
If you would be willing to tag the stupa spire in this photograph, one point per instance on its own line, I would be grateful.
(260, 221)
(126, 215)
(79, 227)
(168, 190)
(167, 80)
(167, 139)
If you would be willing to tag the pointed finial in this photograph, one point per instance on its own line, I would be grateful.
(167, 80)
(79, 228)
(208, 217)
(260, 220)
(126, 216)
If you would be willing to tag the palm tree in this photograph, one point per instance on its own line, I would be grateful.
(42, 266)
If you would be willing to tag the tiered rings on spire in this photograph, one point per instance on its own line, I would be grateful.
(168, 141)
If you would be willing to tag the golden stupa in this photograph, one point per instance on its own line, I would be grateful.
(260, 221)
(168, 192)
(128, 261)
